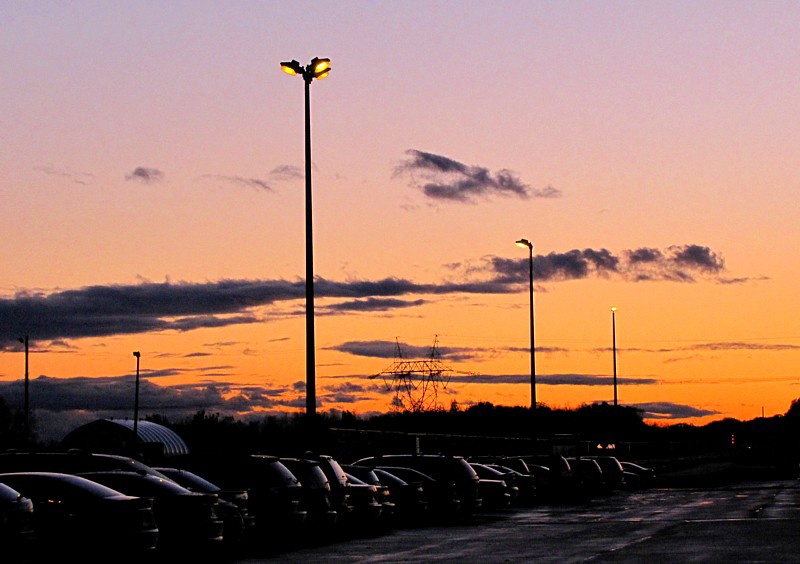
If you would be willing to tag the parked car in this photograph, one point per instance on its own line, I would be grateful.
(613, 473)
(367, 510)
(589, 475)
(447, 469)
(441, 497)
(274, 492)
(74, 515)
(232, 507)
(72, 462)
(340, 494)
(646, 475)
(382, 492)
(525, 483)
(560, 483)
(495, 491)
(185, 519)
(408, 498)
(16, 524)
(316, 495)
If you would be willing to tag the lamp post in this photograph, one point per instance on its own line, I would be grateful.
(137, 354)
(26, 409)
(317, 69)
(529, 245)
(614, 345)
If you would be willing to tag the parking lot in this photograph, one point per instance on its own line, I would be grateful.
(749, 522)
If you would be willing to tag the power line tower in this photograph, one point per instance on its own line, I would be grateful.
(416, 383)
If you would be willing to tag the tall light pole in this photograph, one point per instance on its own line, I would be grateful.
(137, 354)
(614, 345)
(529, 245)
(316, 69)
(26, 408)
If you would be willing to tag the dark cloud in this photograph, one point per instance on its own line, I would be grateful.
(538, 349)
(741, 279)
(668, 410)
(145, 175)
(551, 379)
(373, 304)
(116, 394)
(543, 379)
(740, 346)
(254, 183)
(286, 172)
(350, 392)
(97, 311)
(388, 349)
(353, 388)
(447, 179)
(678, 263)
(58, 401)
(718, 346)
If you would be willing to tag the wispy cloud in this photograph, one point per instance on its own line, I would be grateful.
(543, 379)
(389, 349)
(741, 346)
(145, 175)
(286, 172)
(669, 410)
(713, 346)
(82, 178)
(254, 183)
(442, 178)
(350, 392)
(552, 379)
(373, 304)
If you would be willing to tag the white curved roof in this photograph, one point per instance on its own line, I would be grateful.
(150, 432)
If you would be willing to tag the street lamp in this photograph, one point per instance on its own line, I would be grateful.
(317, 69)
(137, 354)
(529, 245)
(614, 344)
(24, 341)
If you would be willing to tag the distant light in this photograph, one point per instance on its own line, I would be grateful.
(613, 309)
(525, 243)
(323, 75)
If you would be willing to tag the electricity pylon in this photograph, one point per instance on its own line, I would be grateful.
(416, 383)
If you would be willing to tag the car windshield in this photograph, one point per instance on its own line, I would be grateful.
(8, 494)
(189, 480)
(336, 470)
(57, 485)
(387, 478)
(310, 474)
(136, 484)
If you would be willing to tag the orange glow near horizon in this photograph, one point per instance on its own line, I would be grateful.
(162, 211)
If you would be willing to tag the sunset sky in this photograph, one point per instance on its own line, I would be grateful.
(151, 174)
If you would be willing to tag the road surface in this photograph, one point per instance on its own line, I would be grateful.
(749, 522)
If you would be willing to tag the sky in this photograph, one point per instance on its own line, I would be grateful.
(152, 177)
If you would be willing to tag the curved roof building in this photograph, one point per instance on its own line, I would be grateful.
(115, 436)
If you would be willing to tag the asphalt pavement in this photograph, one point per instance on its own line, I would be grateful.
(748, 522)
